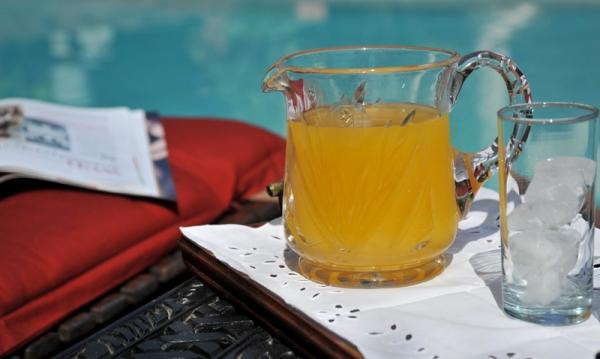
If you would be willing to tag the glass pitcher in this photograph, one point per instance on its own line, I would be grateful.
(373, 190)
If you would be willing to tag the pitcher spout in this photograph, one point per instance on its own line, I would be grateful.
(276, 79)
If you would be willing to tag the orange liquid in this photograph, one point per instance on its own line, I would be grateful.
(364, 191)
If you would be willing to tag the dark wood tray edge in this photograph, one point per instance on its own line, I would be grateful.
(303, 334)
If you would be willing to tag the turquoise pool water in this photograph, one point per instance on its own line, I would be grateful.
(208, 58)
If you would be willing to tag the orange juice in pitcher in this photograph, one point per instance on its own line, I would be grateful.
(372, 188)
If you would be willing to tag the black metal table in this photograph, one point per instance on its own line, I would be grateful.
(190, 321)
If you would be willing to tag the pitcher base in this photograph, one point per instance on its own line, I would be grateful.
(376, 279)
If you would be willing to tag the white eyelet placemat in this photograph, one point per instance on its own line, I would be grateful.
(455, 315)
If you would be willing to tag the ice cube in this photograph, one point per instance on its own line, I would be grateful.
(555, 213)
(584, 229)
(542, 288)
(566, 187)
(558, 188)
(566, 243)
(542, 213)
(524, 217)
(542, 259)
(565, 166)
(528, 251)
(544, 248)
(537, 247)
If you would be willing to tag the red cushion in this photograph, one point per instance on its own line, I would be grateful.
(61, 247)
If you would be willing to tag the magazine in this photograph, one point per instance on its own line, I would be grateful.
(115, 150)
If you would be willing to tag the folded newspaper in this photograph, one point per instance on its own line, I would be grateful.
(115, 150)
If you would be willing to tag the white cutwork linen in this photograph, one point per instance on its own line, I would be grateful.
(455, 315)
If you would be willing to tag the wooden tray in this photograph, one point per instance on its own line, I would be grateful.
(307, 337)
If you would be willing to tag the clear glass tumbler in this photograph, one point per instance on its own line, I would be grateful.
(547, 210)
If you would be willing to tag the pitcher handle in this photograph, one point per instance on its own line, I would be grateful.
(471, 170)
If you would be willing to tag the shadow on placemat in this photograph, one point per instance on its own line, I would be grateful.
(488, 267)
(596, 304)
(484, 229)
